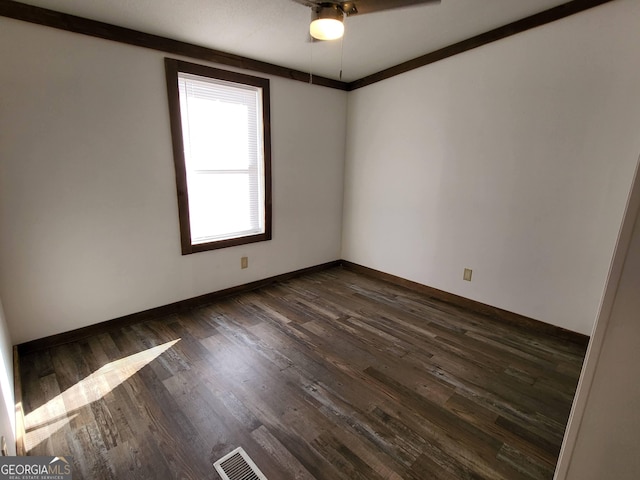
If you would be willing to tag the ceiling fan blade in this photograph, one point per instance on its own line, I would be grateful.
(308, 3)
(316, 3)
(371, 6)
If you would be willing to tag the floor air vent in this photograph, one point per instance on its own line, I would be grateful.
(238, 466)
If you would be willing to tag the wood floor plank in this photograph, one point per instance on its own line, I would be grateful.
(332, 375)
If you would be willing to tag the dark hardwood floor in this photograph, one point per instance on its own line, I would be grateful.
(332, 375)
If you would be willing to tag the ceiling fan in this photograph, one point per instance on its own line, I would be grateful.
(327, 16)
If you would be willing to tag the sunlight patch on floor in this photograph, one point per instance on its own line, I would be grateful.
(47, 419)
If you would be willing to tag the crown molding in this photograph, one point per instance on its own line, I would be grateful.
(93, 28)
(107, 31)
(519, 26)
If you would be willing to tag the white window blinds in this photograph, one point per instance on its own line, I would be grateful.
(223, 150)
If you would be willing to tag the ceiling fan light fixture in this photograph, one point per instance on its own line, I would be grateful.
(327, 22)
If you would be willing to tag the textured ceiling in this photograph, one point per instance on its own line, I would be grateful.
(276, 31)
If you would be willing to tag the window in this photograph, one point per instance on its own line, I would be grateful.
(222, 153)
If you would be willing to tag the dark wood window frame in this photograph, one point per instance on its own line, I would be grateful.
(173, 67)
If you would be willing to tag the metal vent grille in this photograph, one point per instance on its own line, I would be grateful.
(237, 465)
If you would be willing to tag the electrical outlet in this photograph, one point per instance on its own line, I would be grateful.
(244, 262)
(467, 274)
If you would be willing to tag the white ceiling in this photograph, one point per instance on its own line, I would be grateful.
(276, 31)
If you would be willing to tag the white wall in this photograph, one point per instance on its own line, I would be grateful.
(514, 159)
(7, 399)
(602, 436)
(88, 210)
